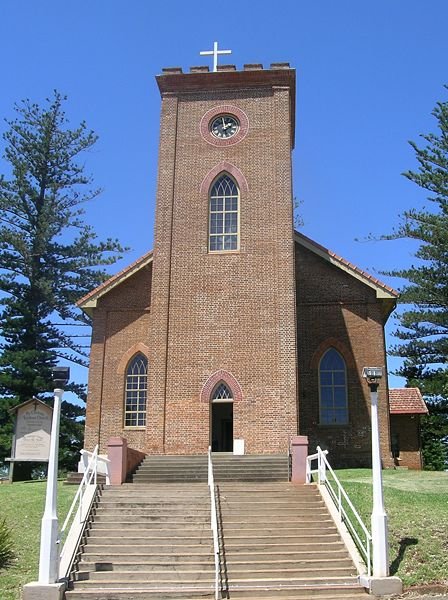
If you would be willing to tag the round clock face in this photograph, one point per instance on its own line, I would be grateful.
(224, 126)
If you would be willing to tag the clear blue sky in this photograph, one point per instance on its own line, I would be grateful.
(368, 75)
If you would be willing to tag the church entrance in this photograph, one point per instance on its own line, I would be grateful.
(221, 419)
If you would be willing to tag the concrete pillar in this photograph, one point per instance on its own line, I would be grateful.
(299, 453)
(117, 449)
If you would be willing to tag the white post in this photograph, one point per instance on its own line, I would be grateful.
(49, 543)
(379, 517)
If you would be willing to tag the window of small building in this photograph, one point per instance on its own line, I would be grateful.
(136, 390)
(223, 215)
(333, 389)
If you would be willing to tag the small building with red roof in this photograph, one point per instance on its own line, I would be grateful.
(406, 409)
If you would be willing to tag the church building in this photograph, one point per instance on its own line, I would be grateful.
(235, 331)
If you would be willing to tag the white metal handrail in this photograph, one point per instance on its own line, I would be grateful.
(214, 521)
(83, 499)
(338, 495)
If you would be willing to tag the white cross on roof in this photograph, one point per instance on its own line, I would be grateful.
(215, 52)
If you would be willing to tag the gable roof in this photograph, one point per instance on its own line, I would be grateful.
(89, 301)
(406, 401)
(32, 400)
(382, 290)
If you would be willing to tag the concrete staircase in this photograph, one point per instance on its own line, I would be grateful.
(227, 467)
(151, 539)
(147, 542)
(279, 540)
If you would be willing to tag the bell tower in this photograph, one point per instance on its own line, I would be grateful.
(223, 323)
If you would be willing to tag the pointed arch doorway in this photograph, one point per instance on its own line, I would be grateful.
(221, 419)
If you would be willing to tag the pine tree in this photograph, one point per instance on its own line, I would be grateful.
(423, 324)
(49, 258)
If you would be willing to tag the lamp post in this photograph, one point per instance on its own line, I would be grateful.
(49, 543)
(379, 517)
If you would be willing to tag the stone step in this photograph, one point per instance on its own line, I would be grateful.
(155, 576)
(150, 493)
(75, 478)
(312, 543)
(285, 594)
(237, 510)
(150, 563)
(127, 509)
(126, 550)
(198, 532)
(139, 594)
(139, 582)
(161, 586)
(110, 516)
(293, 503)
(167, 503)
(355, 593)
(134, 540)
(121, 555)
(111, 522)
(286, 533)
(217, 458)
(147, 479)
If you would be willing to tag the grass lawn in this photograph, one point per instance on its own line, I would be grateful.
(417, 506)
(23, 504)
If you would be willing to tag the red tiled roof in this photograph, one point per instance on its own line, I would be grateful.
(405, 401)
(347, 264)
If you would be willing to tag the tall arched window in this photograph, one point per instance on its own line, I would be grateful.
(136, 392)
(223, 223)
(333, 389)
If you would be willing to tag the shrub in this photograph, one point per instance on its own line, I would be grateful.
(6, 544)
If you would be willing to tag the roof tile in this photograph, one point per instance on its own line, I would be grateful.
(406, 401)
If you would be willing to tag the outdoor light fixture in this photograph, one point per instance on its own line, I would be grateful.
(60, 376)
(372, 373)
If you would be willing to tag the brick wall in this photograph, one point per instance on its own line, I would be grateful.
(120, 328)
(335, 309)
(407, 428)
(229, 311)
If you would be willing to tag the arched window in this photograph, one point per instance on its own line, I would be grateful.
(222, 394)
(333, 389)
(223, 222)
(136, 392)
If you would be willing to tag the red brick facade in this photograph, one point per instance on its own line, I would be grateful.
(258, 318)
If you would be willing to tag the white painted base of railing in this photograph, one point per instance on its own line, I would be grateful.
(382, 586)
(43, 591)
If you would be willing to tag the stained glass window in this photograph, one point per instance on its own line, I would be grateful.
(136, 392)
(223, 225)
